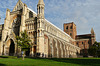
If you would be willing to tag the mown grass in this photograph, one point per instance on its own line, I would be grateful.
(13, 61)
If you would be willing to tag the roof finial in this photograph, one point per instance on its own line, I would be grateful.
(41, 2)
(92, 31)
(19, 0)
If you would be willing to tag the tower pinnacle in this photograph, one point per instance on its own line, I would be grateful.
(92, 31)
(40, 9)
(41, 2)
(19, 0)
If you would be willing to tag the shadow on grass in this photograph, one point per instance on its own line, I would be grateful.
(8, 57)
(3, 57)
(88, 62)
(2, 64)
(79, 61)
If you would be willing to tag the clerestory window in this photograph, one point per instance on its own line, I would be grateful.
(71, 27)
(67, 27)
(30, 14)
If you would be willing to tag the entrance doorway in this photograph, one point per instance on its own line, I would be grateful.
(27, 53)
(12, 48)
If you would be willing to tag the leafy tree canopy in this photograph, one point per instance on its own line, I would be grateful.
(23, 40)
(94, 50)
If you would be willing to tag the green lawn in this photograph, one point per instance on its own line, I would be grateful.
(13, 61)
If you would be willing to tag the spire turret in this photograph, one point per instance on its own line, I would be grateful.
(92, 31)
(40, 9)
(41, 2)
(93, 39)
(19, 0)
(40, 27)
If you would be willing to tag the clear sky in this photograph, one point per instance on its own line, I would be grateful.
(84, 13)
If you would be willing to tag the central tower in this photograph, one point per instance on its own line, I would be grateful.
(40, 27)
(70, 29)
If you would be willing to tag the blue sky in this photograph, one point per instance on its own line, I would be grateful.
(84, 13)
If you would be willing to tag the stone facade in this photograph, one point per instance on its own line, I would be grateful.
(82, 41)
(47, 40)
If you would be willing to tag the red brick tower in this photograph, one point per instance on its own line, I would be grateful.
(70, 28)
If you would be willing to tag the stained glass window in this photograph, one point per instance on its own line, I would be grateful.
(16, 25)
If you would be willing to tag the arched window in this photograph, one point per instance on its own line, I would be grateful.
(29, 35)
(17, 7)
(82, 42)
(16, 25)
(88, 42)
(70, 34)
(39, 10)
(32, 26)
(30, 14)
(28, 26)
(38, 33)
(71, 27)
(77, 44)
(35, 34)
(38, 24)
(67, 27)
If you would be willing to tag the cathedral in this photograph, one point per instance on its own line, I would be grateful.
(47, 39)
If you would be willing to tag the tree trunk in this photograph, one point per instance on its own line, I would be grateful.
(23, 55)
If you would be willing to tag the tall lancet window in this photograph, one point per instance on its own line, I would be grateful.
(39, 10)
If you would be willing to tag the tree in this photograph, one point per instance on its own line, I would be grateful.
(23, 42)
(94, 50)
